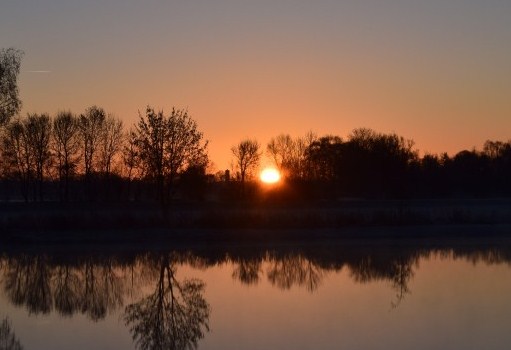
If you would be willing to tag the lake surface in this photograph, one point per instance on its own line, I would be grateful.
(336, 294)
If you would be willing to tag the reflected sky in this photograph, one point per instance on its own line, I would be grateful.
(373, 295)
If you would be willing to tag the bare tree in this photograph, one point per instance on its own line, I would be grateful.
(130, 157)
(246, 158)
(494, 149)
(10, 104)
(289, 155)
(38, 131)
(26, 151)
(185, 146)
(166, 146)
(65, 146)
(149, 140)
(91, 126)
(302, 144)
(281, 150)
(111, 143)
(17, 157)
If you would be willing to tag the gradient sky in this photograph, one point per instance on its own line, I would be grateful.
(436, 71)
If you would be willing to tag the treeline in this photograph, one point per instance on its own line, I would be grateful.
(374, 165)
(92, 157)
(368, 164)
(163, 157)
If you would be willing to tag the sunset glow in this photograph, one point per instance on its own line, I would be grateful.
(326, 66)
(270, 176)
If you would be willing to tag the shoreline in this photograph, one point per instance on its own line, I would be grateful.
(346, 214)
(155, 239)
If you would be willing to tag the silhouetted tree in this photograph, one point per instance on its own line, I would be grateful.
(300, 167)
(494, 149)
(129, 154)
(498, 154)
(167, 146)
(193, 182)
(130, 159)
(469, 172)
(111, 143)
(26, 151)
(368, 164)
(65, 147)
(323, 156)
(17, 156)
(10, 63)
(246, 158)
(430, 176)
(38, 131)
(385, 155)
(281, 150)
(289, 155)
(91, 125)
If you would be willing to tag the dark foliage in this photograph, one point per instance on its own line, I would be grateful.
(163, 159)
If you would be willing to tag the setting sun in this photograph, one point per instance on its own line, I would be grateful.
(270, 175)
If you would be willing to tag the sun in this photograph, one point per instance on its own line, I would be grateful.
(270, 175)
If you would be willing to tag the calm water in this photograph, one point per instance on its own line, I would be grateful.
(326, 295)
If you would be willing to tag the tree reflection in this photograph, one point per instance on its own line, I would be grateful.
(103, 290)
(398, 270)
(94, 289)
(247, 271)
(8, 339)
(295, 270)
(402, 273)
(27, 283)
(67, 295)
(174, 316)
(175, 313)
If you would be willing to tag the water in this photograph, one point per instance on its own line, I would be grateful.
(377, 294)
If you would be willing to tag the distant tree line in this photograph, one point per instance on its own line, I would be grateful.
(163, 157)
(369, 164)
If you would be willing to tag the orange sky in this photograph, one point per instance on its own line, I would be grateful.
(438, 73)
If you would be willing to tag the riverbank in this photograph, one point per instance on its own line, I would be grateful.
(341, 214)
(254, 239)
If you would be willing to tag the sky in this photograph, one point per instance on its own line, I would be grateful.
(436, 71)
